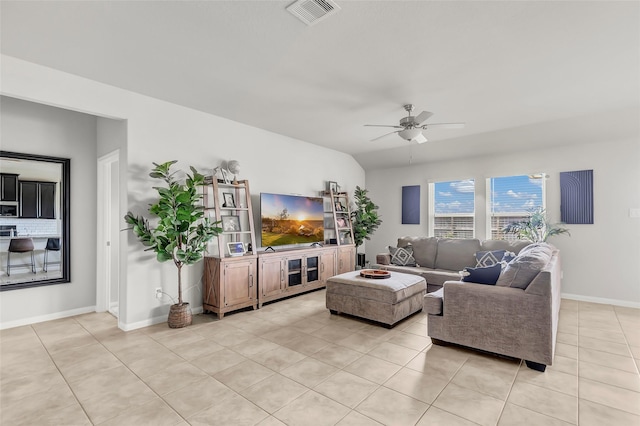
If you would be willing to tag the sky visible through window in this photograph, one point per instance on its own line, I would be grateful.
(509, 194)
(454, 196)
(515, 194)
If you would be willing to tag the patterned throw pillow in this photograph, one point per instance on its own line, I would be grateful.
(490, 258)
(402, 256)
(508, 257)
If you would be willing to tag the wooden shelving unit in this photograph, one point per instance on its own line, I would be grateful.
(342, 228)
(216, 206)
(230, 282)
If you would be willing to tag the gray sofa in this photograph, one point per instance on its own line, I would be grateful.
(516, 317)
(442, 259)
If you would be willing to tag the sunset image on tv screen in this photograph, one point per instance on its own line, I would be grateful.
(291, 219)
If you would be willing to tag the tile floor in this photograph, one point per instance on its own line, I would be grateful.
(293, 363)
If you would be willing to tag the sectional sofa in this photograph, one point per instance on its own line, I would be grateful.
(439, 260)
(517, 316)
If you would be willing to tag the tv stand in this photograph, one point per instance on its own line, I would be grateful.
(289, 272)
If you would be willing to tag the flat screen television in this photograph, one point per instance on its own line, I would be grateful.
(291, 219)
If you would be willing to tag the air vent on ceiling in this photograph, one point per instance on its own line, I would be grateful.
(312, 11)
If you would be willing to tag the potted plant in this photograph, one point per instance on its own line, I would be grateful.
(536, 227)
(182, 230)
(365, 220)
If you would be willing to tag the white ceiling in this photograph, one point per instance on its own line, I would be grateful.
(518, 73)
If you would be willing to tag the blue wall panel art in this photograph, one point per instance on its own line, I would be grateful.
(411, 205)
(576, 197)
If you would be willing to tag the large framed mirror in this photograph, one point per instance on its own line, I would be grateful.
(34, 220)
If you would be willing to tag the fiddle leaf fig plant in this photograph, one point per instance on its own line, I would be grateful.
(182, 231)
(536, 227)
(364, 217)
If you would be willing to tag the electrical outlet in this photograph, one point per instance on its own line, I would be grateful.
(158, 293)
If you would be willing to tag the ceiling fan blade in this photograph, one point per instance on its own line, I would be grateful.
(420, 138)
(383, 125)
(423, 116)
(445, 125)
(386, 134)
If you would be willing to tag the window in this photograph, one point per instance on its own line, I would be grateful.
(451, 209)
(510, 199)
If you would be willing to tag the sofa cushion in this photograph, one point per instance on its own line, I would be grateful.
(433, 302)
(456, 254)
(439, 276)
(402, 256)
(424, 249)
(483, 274)
(523, 269)
(508, 245)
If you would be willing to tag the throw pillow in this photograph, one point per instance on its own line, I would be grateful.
(508, 257)
(482, 275)
(489, 258)
(525, 267)
(402, 256)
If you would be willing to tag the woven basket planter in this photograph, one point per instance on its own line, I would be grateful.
(180, 316)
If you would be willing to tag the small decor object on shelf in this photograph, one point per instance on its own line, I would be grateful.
(233, 167)
(231, 223)
(228, 200)
(182, 233)
(375, 273)
(342, 223)
(333, 187)
(236, 248)
(339, 206)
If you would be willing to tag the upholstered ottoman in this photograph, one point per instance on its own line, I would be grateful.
(386, 300)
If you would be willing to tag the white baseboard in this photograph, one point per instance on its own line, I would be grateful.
(48, 317)
(151, 321)
(601, 300)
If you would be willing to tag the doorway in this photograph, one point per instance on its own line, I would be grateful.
(108, 262)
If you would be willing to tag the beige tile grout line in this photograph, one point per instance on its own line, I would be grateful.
(60, 372)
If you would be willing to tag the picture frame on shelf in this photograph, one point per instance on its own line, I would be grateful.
(228, 200)
(236, 248)
(339, 207)
(231, 224)
(332, 186)
(342, 223)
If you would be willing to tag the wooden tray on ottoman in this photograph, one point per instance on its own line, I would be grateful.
(375, 273)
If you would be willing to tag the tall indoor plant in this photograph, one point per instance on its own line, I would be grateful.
(364, 218)
(182, 230)
(536, 227)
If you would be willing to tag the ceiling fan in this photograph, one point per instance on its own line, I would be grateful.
(411, 127)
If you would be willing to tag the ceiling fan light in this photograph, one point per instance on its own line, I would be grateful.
(420, 139)
(410, 134)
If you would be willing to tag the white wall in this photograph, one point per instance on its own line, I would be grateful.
(599, 260)
(159, 131)
(38, 129)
